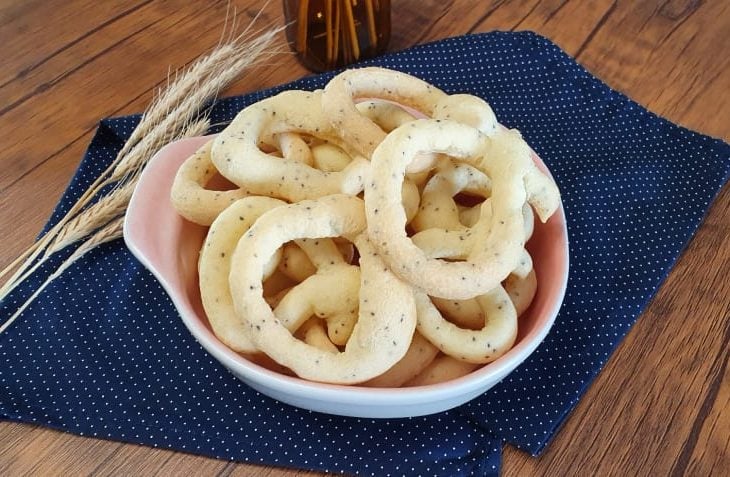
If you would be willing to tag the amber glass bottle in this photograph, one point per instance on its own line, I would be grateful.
(329, 34)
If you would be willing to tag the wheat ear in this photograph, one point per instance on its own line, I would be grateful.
(173, 110)
(112, 231)
(102, 212)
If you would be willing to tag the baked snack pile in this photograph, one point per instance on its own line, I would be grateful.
(377, 242)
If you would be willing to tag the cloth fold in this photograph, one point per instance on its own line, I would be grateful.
(103, 353)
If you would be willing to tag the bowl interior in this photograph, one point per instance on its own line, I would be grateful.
(169, 246)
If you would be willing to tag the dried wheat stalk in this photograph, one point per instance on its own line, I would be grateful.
(111, 231)
(98, 214)
(172, 115)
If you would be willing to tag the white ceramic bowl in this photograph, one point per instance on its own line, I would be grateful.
(168, 246)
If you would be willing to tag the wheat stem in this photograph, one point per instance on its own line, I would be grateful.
(97, 215)
(110, 232)
(170, 116)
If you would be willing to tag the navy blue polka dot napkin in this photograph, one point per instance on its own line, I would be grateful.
(102, 352)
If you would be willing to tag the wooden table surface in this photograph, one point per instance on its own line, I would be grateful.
(662, 404)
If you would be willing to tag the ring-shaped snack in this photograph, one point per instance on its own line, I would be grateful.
(484, 345)
(504, 157)
(458, 244)
(331, 294)
(188, 193)
(293, 147)
(313, 332)
(237, 154)
(386, 321)
(443, 368)
(521, 290)
(438, 208)
(214, 266)
(419, 355)
(338, 102)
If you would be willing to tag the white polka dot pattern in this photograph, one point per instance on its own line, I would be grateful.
(104, 354)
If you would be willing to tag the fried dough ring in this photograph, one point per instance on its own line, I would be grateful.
(463, 313)
(297, 258)
(293, 147)
(459, 243)
(470, 110)
(313, 333)
(469, 216)
(504, 157)
(521, 290)
(373, 82)
(387, 116)
(386, 321)
(237, 155)
(332, 294)
(190, 197)
(438, 208)
(469, 314)
(419, 355)
(330, 158)
(443, 368)
(214, 267)
(360, 127)
(485, 345)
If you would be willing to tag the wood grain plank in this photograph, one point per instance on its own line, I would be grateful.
(647, 400)
(711, 453)
(15, 436)
(86, 87)
(665, 64)
(66, 62)
(140, 460)
(549, 19)
(45, 452)
(661, 404)
(52, 172)
(659, 39)
(24, 28)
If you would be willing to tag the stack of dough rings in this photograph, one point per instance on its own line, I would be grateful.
(373, 233)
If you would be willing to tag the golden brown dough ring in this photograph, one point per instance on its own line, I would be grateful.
(293, 147)
(330, 294)
(504, 157)
(298, 259)
(470, 110)
(485, 345)
(463, 313)
(214, 267)
(438, 208)
(295, 264)
(443, 368)
(469, 314)
(237, 155)
(419, 355)
(521, 290)
(190, 197)
(469, 216)
(387, 116)
(373, 82)
(458, 244)
(330, 158)
(386, 320)
(313, 333)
